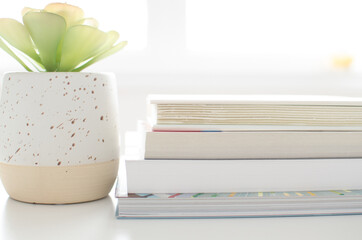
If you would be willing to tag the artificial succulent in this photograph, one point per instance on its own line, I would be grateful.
(57, 38)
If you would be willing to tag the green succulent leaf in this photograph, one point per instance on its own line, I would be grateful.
(11, 53)
(47, 31)
(70, 13)
(15, 33)
(88, 21)
(102, 55)
(80, 43)
(28, 9)
(112, 37)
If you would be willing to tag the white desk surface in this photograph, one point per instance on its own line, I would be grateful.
(96, 220)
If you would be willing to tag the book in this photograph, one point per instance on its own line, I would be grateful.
(253, 145)
(239, 204)
(267, 175)
(280, 110)
(247, 128)
(269, 99)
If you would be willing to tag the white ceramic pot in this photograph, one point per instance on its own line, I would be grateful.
(59, 136)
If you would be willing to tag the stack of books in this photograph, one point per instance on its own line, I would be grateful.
(298, 147)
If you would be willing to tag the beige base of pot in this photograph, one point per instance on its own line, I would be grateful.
(59, 185)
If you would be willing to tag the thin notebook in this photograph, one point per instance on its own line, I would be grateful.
(236, 204)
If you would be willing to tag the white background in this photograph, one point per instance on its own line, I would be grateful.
(205, 46)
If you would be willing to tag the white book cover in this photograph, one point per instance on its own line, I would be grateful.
(253, 145)
(268, 175)
(255, 99)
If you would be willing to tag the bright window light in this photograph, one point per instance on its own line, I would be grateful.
(274, 27)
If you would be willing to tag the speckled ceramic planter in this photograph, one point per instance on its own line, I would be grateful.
(59, 136)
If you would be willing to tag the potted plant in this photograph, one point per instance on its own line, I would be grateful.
(58, 127)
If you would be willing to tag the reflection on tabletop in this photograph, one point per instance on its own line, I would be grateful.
(80, 221)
